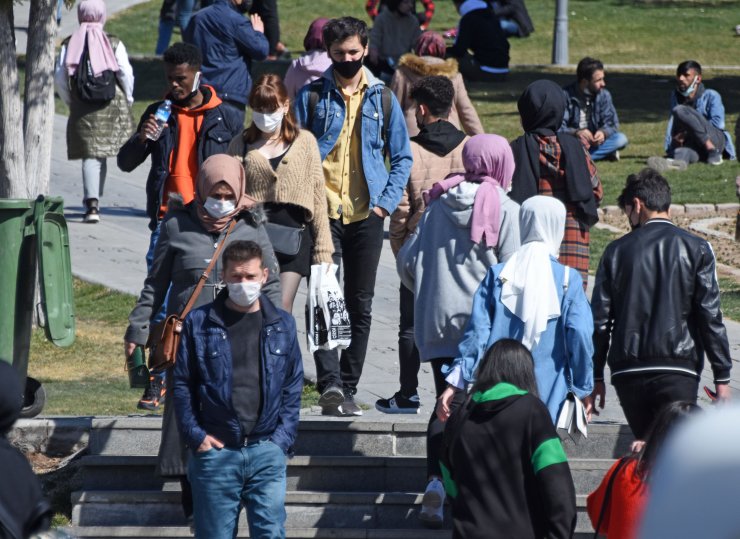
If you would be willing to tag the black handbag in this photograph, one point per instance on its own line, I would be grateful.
(285, 240)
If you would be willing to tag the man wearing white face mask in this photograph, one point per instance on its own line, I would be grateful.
(237, 391)
(696, 129)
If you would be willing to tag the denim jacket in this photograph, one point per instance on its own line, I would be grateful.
(203, 378)
(385, 187)
(603, 114)
(709, 104)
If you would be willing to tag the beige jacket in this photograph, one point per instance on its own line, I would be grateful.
(298, 180)
(411, 68)
(428, 169)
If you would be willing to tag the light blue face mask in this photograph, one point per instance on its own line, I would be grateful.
(690, 90)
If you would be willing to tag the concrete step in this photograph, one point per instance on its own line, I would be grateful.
(340, 511)
(148, 532)
(323, 473)
(336, 437)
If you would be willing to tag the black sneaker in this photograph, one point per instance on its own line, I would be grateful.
(330, 400)
(153, 394)
(349, 407)
(398, 404)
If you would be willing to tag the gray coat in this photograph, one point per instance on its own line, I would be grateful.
(444, 268)
(183, 251)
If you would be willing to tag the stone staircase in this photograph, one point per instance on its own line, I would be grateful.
(349, 480)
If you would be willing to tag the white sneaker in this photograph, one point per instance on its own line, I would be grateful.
(432, 504)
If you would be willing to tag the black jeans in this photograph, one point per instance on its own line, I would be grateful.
(408, 354)
(436, 429)
(642, 396)
(357, 245)
(268, 12)
(698, 131)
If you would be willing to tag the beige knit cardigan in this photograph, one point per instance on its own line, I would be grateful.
(298, 180)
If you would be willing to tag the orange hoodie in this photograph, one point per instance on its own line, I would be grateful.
(184, 156)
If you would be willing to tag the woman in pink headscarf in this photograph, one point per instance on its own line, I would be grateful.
(470, 224)
(311, 65)
(428, 59)
(95, 131)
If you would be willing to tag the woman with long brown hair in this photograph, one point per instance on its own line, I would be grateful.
(283, 171)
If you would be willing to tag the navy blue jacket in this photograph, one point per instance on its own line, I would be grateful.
(228, 43)
(220, 125)
(203, 378)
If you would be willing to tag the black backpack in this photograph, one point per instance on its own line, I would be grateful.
(91, 89)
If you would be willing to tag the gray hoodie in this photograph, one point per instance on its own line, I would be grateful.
(444, 268)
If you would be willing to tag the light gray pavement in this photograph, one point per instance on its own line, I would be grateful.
(112, 253)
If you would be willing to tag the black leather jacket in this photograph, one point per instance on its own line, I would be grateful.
(656, 296)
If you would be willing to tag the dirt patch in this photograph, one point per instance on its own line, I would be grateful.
(726, 249)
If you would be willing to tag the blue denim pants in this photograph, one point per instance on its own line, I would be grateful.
(223, 479)
(615, 142)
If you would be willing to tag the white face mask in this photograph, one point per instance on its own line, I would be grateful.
(268, 123)
(219, 208)
(244, 294)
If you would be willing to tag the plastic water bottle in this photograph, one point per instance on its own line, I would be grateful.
(161, 117)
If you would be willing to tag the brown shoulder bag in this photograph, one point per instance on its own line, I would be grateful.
(164, 337)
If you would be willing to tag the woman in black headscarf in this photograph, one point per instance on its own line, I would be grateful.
(556, 164)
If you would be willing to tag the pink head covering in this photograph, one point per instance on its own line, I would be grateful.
(488, 160)
(430, 44)
(314, 39)
(91, 14)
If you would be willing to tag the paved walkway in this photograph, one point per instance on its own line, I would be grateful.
(112, 253)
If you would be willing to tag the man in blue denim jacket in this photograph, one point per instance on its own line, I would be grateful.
(591, 114)
(345, 109)
(237, 394)
(696, 127)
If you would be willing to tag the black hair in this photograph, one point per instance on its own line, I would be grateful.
(436, 93)
(684, 67)
(650, 187)
(587, 67)
(663, 424)
(241, 251)
(183, 53)
(508, 361)
(343, 28)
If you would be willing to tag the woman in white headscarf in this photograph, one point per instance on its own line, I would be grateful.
(541, 303)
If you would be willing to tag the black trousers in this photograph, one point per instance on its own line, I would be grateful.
(268, 12)
(436, 429)
(357, 246)
(408, 354)
(643, 396)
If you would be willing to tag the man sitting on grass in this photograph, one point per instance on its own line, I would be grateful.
(696, 127)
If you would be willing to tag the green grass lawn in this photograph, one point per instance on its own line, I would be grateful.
(88, 378)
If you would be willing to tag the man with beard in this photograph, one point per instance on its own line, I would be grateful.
(229, 42)
(357, 121)
(590, 113)
(199, 126)
(696, 128)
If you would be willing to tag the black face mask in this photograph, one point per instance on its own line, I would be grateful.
(244, 7)
(348, 69)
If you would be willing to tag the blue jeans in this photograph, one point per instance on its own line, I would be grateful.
(615, 142)
(162, 312)
(223, 479)
(183, 12)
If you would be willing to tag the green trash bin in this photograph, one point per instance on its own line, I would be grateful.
(34, 236)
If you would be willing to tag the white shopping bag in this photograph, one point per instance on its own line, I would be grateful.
(327, 320)
(572, 421)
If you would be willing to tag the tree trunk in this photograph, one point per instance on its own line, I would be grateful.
(12, 156)
(39, 102)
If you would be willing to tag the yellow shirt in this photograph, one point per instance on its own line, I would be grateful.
(346, 189)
